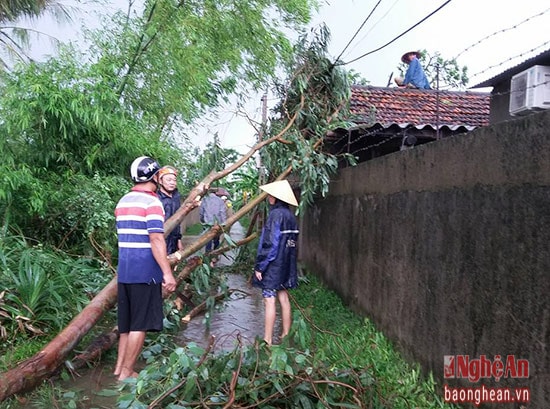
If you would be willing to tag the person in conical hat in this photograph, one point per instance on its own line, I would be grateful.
(275, 270)
(415, 77)
(281, 190)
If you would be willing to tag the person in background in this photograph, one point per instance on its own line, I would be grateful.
(228, 206)
(224, 195)
(415, 76)
(171, 200)
(143, 269)
(212, 211)
(276, 269)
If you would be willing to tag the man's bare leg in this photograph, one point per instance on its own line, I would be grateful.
(270, 313)
(286, 312)
(122, 342)
(134, 344)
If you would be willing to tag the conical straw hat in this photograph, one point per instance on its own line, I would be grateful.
(281, 190)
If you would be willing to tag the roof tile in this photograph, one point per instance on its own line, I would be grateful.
(389, 106)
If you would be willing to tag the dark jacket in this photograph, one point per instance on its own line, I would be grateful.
(171, 205)
(276, 258)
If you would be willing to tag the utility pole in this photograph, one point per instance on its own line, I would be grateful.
(437, 135)
(261, 172)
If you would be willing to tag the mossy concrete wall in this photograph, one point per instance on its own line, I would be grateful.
(446, 247)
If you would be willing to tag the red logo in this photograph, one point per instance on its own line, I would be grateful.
(462, 366)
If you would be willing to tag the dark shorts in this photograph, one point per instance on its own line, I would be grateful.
(268, 293)
(140, 307)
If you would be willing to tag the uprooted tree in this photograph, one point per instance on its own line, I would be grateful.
(313, 100)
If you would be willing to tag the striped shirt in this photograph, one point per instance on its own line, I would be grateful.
(138, 213)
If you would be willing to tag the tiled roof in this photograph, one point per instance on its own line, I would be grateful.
(419, 108)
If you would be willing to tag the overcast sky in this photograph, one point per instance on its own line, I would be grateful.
(460, 29)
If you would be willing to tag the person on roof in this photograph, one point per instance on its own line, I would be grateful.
(415, 76)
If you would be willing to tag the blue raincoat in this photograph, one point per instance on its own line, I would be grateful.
(276, 258)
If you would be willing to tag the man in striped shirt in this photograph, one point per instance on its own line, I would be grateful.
(143, 267)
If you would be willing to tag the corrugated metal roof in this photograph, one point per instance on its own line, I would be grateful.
(407, 107)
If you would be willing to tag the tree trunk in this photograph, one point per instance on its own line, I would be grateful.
(93, 352)
(34, 370)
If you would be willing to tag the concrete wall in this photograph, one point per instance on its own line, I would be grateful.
(446, 247)
(500, 103)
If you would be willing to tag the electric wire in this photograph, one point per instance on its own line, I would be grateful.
(359, 29)
(501, 31)
(375, 24)
(510, 59)
(496, 94)
(396, 38)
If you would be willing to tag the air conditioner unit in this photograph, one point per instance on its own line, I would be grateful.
(530, 90)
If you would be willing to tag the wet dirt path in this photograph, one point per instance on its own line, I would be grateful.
(242, 315)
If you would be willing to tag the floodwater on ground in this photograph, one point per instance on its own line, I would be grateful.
(241, 316)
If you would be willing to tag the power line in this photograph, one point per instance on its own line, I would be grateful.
(359, 29)
(396, 38)
(541, 84)
(375, 24)
(501, 31)
(510, 59)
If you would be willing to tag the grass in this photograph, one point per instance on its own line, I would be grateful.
(343, 338)
(328, 342)
(194, 230)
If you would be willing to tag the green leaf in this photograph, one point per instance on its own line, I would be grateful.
(107, 392)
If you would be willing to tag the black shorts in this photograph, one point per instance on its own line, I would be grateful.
(140, 307)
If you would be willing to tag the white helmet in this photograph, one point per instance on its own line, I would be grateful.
(143, 169)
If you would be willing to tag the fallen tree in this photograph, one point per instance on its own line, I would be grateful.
(34, 370)
(300, 130)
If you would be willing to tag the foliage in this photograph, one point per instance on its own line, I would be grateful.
(180, 57)
(67, 120)
(67, 149)
(356, 78)
(211, 159)
(65, 117)
(447, 73)
(317, 94)
(43, 290)
(15, 40)
(332, 358)
(243, 184)
(72, 127)
(343, 337)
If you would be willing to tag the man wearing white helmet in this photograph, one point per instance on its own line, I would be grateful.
(143, 269)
